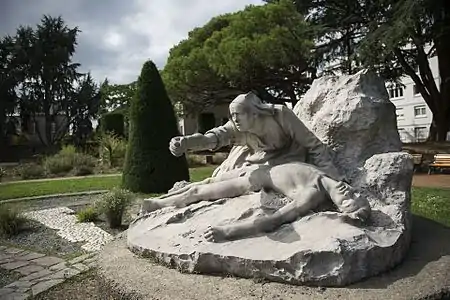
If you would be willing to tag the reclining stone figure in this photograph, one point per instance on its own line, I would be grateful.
(271, 146)
(305, 185)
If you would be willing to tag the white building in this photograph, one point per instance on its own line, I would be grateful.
(413, 115)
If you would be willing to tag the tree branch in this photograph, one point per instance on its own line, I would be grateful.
(410, 72)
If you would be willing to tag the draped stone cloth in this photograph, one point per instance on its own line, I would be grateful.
(285, 139)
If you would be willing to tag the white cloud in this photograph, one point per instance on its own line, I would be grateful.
(117, 37)
(159, 25)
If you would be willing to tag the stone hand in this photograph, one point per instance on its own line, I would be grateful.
(178, 145)
(215, 234)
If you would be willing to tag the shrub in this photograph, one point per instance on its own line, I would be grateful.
(68, 150)
(113, 123)
(149, 166)
(86, 160)
(58, 164)
(83, 170)
(69, 159)
(112, 150)
(195, 160)
(89, 214)
(31, 171)
(11, 222)
(113, 205)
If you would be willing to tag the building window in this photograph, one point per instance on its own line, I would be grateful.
(420, 134)
(420, 111)
(416, 90)
(396, 92)
(400, 113)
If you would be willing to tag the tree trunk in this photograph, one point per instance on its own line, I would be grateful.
(438, 130)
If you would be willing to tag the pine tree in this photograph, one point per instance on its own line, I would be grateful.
(149, 165)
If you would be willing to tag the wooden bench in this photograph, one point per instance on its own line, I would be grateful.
(440, 162)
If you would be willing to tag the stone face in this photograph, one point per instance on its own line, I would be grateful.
(353, 115)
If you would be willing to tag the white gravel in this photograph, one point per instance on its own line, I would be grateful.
(65, 221)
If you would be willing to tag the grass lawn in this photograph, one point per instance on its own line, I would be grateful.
(39, 188)
(432, 203)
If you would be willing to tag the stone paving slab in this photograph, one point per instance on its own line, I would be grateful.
(40, 272)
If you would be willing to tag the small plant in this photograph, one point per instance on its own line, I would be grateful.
(11, 222)
(31, 171)
(113, 205)
(88, 214)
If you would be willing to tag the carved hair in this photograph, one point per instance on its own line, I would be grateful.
(254, 104)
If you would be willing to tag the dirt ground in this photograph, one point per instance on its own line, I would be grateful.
(434, 180)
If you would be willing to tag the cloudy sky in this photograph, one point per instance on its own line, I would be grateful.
(117, 36)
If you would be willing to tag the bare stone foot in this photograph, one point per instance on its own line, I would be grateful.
(216, 234)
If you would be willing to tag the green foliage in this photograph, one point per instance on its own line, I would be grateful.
(114, 123)
(84, 170)
(117, 96)
(89, 214)
(11, 221)
(392, 37)
(114, 204)
(59, 164)
(68, 159)
(31, 171)
(259, 48)
(39, 61)
(112, 150)
(195, 160)
(149, 166)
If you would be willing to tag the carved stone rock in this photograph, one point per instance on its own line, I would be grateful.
(354, 116)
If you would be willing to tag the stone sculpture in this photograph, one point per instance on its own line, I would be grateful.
(265, 203)
(258, 167)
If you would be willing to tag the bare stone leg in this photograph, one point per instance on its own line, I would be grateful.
(304, 200)
(200, 192)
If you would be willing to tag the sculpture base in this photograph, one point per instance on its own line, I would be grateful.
(424, 274)
(319, 249)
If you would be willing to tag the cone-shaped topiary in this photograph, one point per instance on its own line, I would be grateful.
(149, 166)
